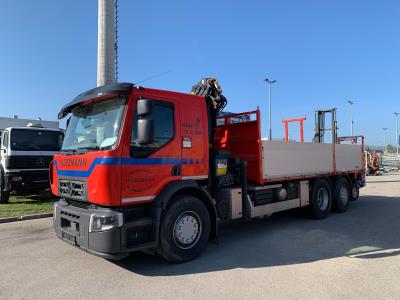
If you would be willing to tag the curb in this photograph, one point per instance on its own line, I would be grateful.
(24, 218)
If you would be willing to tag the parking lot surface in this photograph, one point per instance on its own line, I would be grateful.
(355, 255)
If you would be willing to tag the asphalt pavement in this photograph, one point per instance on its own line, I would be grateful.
(355, 255)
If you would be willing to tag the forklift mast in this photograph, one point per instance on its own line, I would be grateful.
(320, 125)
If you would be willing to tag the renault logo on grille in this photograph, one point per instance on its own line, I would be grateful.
(40, 162)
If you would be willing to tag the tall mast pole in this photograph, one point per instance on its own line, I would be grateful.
(106, 47)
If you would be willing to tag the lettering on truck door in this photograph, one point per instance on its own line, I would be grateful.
(151, 167)
(194, 128)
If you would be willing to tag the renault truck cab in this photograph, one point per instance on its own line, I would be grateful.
(124, 146)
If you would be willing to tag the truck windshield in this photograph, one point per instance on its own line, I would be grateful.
(35, 140)
(95, 126)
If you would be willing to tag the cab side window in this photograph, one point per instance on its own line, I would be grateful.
(162, 114)
(5, 139)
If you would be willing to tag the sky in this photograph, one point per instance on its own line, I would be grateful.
(322, 54)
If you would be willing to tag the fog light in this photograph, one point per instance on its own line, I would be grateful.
(105, 222)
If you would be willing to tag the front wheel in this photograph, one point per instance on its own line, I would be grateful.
(4, 195)
(185, 229)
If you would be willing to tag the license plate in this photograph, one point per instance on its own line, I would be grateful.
(68, 237)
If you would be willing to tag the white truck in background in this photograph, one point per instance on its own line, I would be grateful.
(26, 150)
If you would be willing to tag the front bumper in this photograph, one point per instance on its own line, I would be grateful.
(26, 180)
(138, 232)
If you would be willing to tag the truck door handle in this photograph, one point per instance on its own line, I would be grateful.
(176, 170)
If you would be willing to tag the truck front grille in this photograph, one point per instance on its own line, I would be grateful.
(28, 162)
(72, 189)
(79, 204)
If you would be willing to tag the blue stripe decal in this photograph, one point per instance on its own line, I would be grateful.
(123, 161)
(151, 161)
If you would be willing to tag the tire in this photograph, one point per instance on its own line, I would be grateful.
(355, 191)
(4, 195)
(320, 199)
(185, 229)
(342, 195)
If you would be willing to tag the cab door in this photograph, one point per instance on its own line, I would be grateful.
(150, 167)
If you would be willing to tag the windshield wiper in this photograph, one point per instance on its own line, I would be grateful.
(68, 150)
(82, 150)
(97, 148)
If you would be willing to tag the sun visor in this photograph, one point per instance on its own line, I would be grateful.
(110, 89)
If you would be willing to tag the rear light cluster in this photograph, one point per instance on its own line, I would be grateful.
(72, 189)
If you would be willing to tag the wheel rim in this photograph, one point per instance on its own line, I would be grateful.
(343, 195)
(354, 192)
(323, 199)
(187, 230)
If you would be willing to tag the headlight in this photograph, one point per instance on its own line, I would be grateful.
(105, 222)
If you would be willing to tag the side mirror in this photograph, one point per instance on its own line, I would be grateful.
(145, 131)
(144, 107)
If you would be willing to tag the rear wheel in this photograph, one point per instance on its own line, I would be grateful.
(355, 191)
(320, 200)
(185, 229)
(342, 195)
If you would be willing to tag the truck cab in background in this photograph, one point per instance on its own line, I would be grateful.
(25, 156)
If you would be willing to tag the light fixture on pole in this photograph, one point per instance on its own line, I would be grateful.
(397, 133)
(270, 82)
(384, 139)
(351, 116)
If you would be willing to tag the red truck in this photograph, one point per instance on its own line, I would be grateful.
(146, 169)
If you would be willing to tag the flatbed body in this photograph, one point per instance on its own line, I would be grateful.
(276, 161)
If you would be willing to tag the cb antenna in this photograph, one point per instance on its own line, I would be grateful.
(153, 77)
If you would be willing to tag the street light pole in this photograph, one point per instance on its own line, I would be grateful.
(384, 139)
(351, 117)
(397, 133)
(270, 82)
